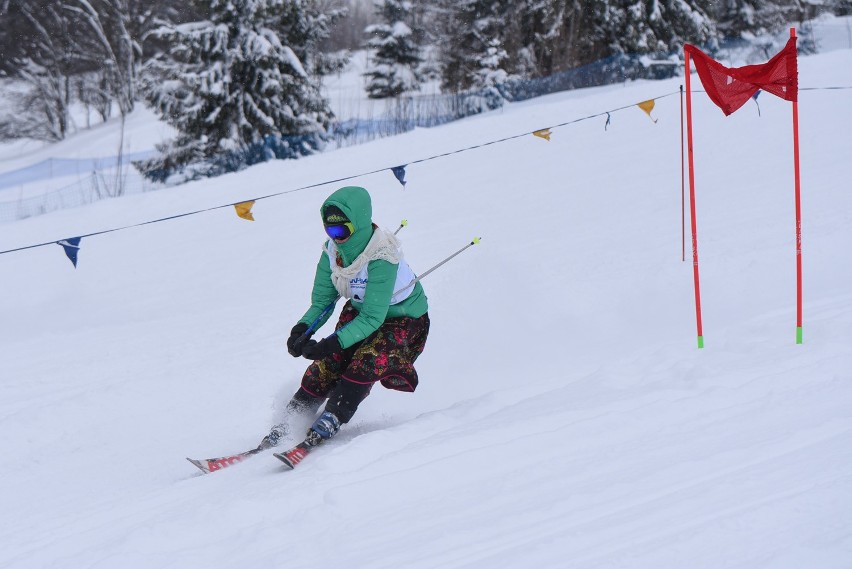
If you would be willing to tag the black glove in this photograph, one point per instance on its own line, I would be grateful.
(326, 347)
(297, 340)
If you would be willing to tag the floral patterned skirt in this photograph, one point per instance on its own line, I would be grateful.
(386, 356)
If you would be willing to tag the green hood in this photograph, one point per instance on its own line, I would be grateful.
(355, 203)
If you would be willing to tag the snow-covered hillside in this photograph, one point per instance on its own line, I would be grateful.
(564, 418)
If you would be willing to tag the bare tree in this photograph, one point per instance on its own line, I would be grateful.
(64, 49)
(42, 59)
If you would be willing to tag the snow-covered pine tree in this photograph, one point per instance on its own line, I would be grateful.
(654, 26)
(538, 38)
(545, 37)
(307, 25)
(540, 41)
(489, 69)
(235, 89)
(473, 54)
(395, 57)
(736, 18)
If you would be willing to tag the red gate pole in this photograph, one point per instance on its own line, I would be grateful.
(798, 214)
(692, 200)
(682, 196)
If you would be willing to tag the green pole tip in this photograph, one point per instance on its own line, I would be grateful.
(700, 342)
(475, 240)
(798, 334)
(404, 222)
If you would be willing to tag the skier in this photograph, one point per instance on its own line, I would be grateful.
(382, 328)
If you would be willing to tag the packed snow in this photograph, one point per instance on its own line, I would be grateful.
(565, 416)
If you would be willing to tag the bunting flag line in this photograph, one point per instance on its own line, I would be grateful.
(731, 87)
(362, 174)
(754, 98)
(244, 210)
(71, 246)
(647, 106)
(543, 133)
(400, 169)
(399, 172)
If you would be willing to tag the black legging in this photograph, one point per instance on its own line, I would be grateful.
(343, 400)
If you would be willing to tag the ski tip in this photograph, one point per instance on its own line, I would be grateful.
(199, 465)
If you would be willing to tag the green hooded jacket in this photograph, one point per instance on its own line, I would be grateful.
(376, 307)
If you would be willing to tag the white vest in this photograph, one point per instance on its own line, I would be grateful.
(358, 283)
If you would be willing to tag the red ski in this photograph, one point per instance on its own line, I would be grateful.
(291, 457)
(296, 454)
(208, 465)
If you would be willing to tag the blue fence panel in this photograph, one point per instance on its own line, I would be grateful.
(58, 167)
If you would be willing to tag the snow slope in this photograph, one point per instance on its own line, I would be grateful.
(565, 417)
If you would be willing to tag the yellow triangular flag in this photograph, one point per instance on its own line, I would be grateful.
(647, 106)
(543, 133)
(244, 210)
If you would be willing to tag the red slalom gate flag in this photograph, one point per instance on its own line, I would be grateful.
(731, 87)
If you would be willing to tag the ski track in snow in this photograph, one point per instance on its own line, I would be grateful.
(564, 417)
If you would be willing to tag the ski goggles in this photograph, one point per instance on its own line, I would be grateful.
(341, 231)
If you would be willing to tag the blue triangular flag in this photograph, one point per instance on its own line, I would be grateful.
(71, 247)
(399, 172)
(754, 97)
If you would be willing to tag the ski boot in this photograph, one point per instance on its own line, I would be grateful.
(326, 425)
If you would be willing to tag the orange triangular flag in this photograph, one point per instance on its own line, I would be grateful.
(543, 133)
(647, 106)
(244, 210)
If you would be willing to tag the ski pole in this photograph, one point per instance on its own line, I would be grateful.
(330, 307)
(414, 281)
(318, 319)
